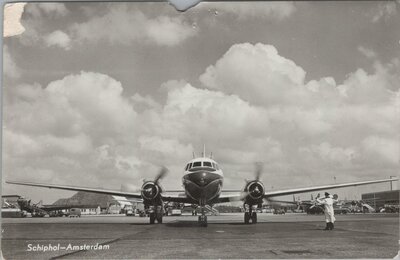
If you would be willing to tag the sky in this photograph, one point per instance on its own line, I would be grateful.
(105, 94)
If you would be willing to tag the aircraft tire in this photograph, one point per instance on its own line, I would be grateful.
(254, 218)
(159, 218)
(246, 217)
(152, 218)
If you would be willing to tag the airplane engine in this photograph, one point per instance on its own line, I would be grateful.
(150, 191)
(254, 191)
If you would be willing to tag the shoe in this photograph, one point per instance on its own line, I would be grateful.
(327, 226)
(332, 226)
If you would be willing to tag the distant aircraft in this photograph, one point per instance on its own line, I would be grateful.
(202, 182)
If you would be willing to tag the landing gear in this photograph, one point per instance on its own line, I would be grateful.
(156, 214)
(203, 218)
(203, 221)
(250, 214)
(246, 218)
(254, 218)
(159, 217)
(152, 217)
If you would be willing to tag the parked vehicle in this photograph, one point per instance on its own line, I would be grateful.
(279, 211)
(74, 213)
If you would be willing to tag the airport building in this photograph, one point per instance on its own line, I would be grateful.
(94, 204)
(382, 199)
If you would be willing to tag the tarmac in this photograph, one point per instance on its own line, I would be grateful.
(292, 236)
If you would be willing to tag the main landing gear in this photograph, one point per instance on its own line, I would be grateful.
(156, 214)
(250, 214)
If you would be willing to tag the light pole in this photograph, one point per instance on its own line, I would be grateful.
(391, 183)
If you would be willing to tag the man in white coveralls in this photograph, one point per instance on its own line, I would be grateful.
(328, 209)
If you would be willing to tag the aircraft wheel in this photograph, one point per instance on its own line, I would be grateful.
(152, 218)
(246, 217)
(159, 218)
(254, 218)
(203, 221)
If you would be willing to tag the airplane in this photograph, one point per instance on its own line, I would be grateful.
(202, 182)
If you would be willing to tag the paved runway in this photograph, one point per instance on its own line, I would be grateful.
(287, 236)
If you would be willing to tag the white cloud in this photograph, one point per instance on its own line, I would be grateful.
(37, 19)
(367, 52)
(256, 107)
(10, 68)
(61, 126)
(242, 10)
(49, 9)
(257, 73)
(124, 25)
(382, 149)
(58, 38)
(385, 11)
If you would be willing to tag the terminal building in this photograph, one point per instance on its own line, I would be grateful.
(382, 199)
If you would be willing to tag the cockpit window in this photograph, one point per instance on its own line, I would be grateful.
(197, 164)
(187, 167)
(216, 166)
(207, 164)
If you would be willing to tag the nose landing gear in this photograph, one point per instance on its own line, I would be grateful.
(203, 221)
(203, 217)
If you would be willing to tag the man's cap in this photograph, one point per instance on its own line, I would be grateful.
(326, 194)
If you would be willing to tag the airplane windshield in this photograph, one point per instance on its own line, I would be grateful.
(197, 164)
(207, 164)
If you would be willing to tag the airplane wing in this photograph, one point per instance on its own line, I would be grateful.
(269, 194)
(75, 188)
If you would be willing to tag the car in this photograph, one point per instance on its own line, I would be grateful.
(130, 211)
(74, 213)
(176, 212)
(279, 211)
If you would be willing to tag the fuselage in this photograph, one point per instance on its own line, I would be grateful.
(203, 180)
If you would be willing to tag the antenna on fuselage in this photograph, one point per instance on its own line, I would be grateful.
(204, 150)
(211, 155)
(194, 156)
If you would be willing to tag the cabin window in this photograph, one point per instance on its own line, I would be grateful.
(207, 164)
(197, 164)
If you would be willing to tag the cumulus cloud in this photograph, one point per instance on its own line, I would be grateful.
(48, 9)
(124, 25)
(58, 38)
(37, 19)
(254, 106)
(384, 11)
(258, 68)
(242, 10)
(386, 149)
(61, 126)
(335, 120)
(367, 52)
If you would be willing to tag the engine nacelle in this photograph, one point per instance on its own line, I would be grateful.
(150, 191)
(254, 192)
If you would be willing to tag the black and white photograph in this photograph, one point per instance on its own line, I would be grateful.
(200, 130)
